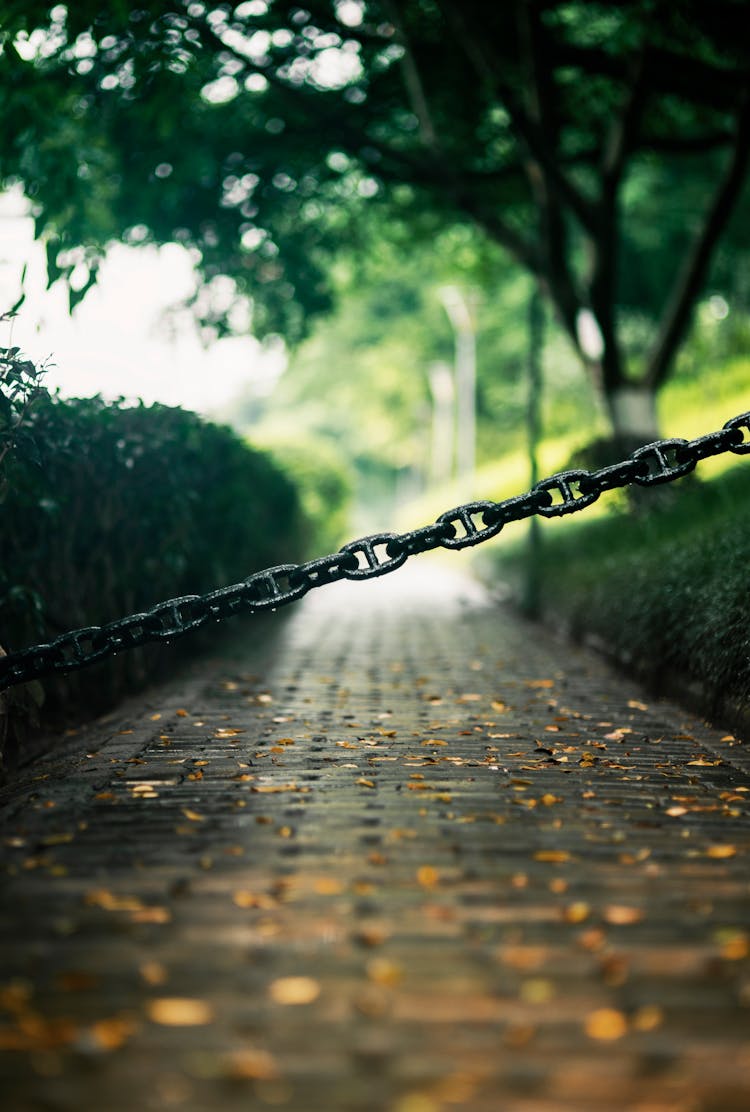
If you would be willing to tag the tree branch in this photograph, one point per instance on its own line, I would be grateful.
(620, 139)
(413, 81)
(529, 132)
(693, 274)
(667, 72)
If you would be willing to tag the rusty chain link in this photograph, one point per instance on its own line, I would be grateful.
(466, 525)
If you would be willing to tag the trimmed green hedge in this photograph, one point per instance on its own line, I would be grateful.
(106, 509)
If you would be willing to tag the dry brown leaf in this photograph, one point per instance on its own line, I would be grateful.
(102, 897)
(251, 1064)
(648, 1018)
(153, 972)
(272, 789)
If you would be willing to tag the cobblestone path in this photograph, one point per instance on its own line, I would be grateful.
(397, 852)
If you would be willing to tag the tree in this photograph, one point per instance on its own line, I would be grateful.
(256, 132)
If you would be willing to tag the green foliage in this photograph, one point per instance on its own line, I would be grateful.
(19, 388)
(324, 487)
(110, 508)
(665, 592)
(586, 138)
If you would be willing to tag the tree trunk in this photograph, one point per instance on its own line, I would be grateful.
(632, 411)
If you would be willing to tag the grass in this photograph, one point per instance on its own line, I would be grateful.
(665, 592)
(665, 589)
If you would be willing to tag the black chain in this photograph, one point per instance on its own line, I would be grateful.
(470, 524)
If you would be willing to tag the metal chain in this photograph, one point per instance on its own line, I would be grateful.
(470, 524)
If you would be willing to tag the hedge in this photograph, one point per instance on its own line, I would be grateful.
(108, 508)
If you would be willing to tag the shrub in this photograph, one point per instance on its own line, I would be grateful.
(110, 508)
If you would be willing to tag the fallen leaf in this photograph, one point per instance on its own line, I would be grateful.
(251, 1064)
(427, 876)
(294, 990)
(721, 851)
(619, 915)
(179, 1011)
(153, 972)
(272, 789)
(57, 839)
(383, 971)
(102, 897)
(328, 886)
(110, 1034)
(576, 912)
(648, 1018)
(553, 856)
(193, 816)
(151, 915)
(606, 1024)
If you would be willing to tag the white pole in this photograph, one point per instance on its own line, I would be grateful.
(459, 314)
(443, 422)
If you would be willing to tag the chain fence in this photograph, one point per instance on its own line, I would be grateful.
(469, 524)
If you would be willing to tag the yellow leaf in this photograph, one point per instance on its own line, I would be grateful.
(427, 876)
(576, 912)
(328, 886)
(606, 1024)
(179, 1011)
(194, 816)
(109, 1034)
(553, 856)
(294, 990)
(383, 971)
(721, 851)
(619, 915)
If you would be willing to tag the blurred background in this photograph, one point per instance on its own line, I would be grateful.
(413, 253)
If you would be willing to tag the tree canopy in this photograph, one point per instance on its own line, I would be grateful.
(600, 143)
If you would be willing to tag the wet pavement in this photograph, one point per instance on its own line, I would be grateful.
(394, 851)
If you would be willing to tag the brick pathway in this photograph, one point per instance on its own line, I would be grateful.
(396, 852)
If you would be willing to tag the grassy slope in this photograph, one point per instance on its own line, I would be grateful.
(666, 590)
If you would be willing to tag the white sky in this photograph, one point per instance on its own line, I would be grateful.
(115, 343)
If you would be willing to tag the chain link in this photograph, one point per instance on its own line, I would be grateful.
(564, 493)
